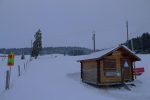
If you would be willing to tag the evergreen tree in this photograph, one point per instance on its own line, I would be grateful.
(145, 41)
(37, 44)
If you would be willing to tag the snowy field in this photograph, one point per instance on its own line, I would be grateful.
(57, 77)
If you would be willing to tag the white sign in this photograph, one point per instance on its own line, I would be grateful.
(126, 65)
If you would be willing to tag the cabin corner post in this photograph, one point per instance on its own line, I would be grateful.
(134, 68)
(122, 71)
(81, 70)
(98, 71)
(132, 75)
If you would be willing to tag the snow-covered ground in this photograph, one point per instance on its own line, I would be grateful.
(57, 77)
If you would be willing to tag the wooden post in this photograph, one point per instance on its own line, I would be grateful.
(19, 70)
(98, 72)
(7, 80)
(134, 68)
(27, 63)
(122, 72)
(24, 66)
(9, 71)
(81, 70)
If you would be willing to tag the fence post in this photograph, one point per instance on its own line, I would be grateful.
(19, 70)
(24, 66)
(27, 63)
(7, 79)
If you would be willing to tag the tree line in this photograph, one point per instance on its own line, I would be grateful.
(37, 49)
(49, 50)
(141, 44)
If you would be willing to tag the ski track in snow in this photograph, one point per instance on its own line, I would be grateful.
(55, 77)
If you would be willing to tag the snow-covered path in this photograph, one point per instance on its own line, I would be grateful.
(55, 77)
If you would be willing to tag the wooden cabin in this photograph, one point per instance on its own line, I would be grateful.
(109, 67)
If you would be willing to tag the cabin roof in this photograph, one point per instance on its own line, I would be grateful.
(100, 54)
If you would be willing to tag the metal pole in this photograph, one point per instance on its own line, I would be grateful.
(93, 40)
(31, 51)
(7, 80)
(31, 44)
(132, 46)
(127, 34)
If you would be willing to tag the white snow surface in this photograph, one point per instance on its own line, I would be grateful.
(57, 77)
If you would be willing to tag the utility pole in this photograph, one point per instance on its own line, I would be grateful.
(31, 44)
(31, 51)
(132, 45)
(93, 38)
(127, 34)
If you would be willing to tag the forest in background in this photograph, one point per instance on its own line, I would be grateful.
(141, 44)
(73, 51)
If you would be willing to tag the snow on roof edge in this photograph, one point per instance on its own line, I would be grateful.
(100, 54)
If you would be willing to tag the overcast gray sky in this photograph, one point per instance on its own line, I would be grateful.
(71, 22)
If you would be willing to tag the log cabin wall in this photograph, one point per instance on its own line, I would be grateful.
(89, 71)
(126, 74)
(105, 77)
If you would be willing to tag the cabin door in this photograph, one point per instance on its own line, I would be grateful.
(126, 70)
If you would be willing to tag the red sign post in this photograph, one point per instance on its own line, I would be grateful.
(10, 63)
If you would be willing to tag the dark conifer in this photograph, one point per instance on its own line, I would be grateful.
(37, 44)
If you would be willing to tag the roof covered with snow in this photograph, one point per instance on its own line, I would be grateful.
(100, 54)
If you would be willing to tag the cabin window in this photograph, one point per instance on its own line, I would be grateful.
(109, 64)
(110, 68)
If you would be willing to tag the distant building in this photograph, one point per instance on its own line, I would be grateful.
(108, 67)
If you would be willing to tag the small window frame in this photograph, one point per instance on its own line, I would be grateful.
(110, 64)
